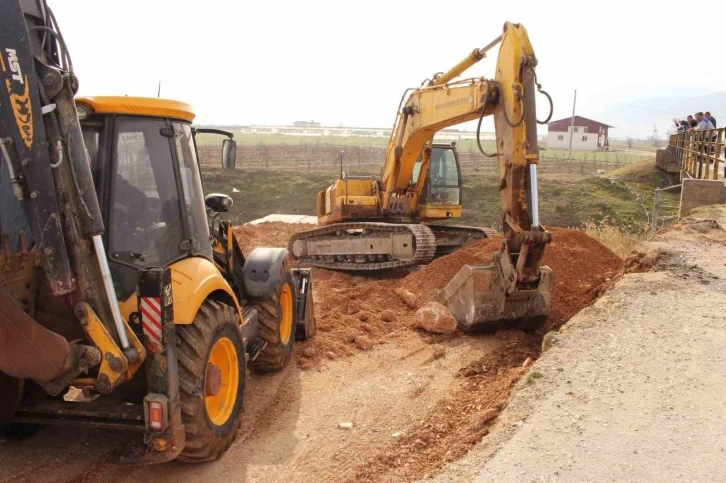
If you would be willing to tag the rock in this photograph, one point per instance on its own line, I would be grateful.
(352, 308)
(407, 297)
(527, 362)
(435, 318)
(489, 415)
(363, 342)
(308, 352)
(345, 426)
(388, 316)
(331, 355)
(363, 316)
(397, 434)
(366, 327)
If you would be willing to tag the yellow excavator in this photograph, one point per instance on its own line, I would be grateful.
(125, 301)
(373, 223)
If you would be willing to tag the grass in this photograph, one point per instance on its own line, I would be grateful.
(614, 208)
(621, 241)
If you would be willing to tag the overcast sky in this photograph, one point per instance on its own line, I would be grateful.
(275, 62)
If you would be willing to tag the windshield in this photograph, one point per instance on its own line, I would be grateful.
(444, 177)
(146, 221)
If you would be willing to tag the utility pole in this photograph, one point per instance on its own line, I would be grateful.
(158, 92)
(572, 126)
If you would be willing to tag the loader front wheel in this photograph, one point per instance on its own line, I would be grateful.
(212, 374)
(276, 316)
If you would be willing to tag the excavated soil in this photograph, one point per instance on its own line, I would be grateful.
(357, 312)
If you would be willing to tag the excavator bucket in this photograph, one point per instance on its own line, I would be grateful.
(485, 298)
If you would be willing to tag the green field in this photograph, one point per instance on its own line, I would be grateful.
(623, 196)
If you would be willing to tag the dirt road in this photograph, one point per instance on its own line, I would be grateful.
(291, 429)
(415, 400)
(633, 389)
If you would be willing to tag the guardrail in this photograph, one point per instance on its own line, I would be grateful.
(696, 151)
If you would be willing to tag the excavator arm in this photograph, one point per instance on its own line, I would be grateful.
(510, 98)
(50, 177)
(518, 287)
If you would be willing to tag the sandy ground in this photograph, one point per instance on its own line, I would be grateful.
(629, 391)
(633, 387)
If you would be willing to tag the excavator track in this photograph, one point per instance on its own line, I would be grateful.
(424, 245)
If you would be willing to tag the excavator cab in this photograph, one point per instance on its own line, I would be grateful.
(442, 194)
(444, 186)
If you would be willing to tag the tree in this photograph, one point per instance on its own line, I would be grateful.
(630, 143)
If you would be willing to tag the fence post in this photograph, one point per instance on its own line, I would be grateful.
(656, 202)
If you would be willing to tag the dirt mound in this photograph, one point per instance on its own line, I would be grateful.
(579, 264)
(350, 307)
(354, 312)
(270, 234)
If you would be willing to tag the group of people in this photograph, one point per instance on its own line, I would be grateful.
(702, 121)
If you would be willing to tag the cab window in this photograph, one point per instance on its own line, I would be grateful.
(443, 177)
(145, 215)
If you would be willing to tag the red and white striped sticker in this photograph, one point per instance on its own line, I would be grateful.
(151, 321)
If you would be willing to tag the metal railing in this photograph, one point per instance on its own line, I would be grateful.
(697, 151)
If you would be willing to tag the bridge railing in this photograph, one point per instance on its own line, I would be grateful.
(699, 153)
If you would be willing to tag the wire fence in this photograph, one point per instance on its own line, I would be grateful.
(366, 160)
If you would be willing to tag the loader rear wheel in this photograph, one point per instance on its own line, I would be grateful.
(212, 374)
(11, 392)
(276, 316)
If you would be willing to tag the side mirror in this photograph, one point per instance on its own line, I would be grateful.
(229, 153)
(218, 202)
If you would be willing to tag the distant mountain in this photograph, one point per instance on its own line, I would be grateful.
(636, 118)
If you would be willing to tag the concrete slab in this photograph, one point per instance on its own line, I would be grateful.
(283, 218)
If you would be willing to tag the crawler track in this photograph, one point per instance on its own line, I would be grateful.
(424, 241)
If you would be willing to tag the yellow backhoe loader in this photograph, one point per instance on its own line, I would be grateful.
(120, 282)
(372, 223)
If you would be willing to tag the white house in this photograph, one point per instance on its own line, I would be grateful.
(589, 135)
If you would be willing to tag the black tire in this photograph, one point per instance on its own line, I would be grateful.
(276, 354)
(205, 439)
(11, 393)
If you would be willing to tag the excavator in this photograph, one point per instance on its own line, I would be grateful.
(375, 223)
(126, 302)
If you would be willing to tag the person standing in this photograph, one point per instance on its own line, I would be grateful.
(710, 118)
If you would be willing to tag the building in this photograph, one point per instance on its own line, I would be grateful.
(366, 132)
(306, 124)
(589, 135)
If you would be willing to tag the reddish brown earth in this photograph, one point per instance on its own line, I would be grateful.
(354, 313)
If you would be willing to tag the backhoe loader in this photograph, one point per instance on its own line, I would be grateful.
(125, 301)
(373, 223)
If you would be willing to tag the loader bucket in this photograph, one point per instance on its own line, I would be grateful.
(477, 298)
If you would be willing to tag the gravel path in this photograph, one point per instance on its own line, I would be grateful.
(632, 388)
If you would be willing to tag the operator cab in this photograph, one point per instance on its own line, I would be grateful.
(443, 183)
(144, 162)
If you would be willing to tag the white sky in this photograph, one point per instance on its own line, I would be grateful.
(275, 62)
